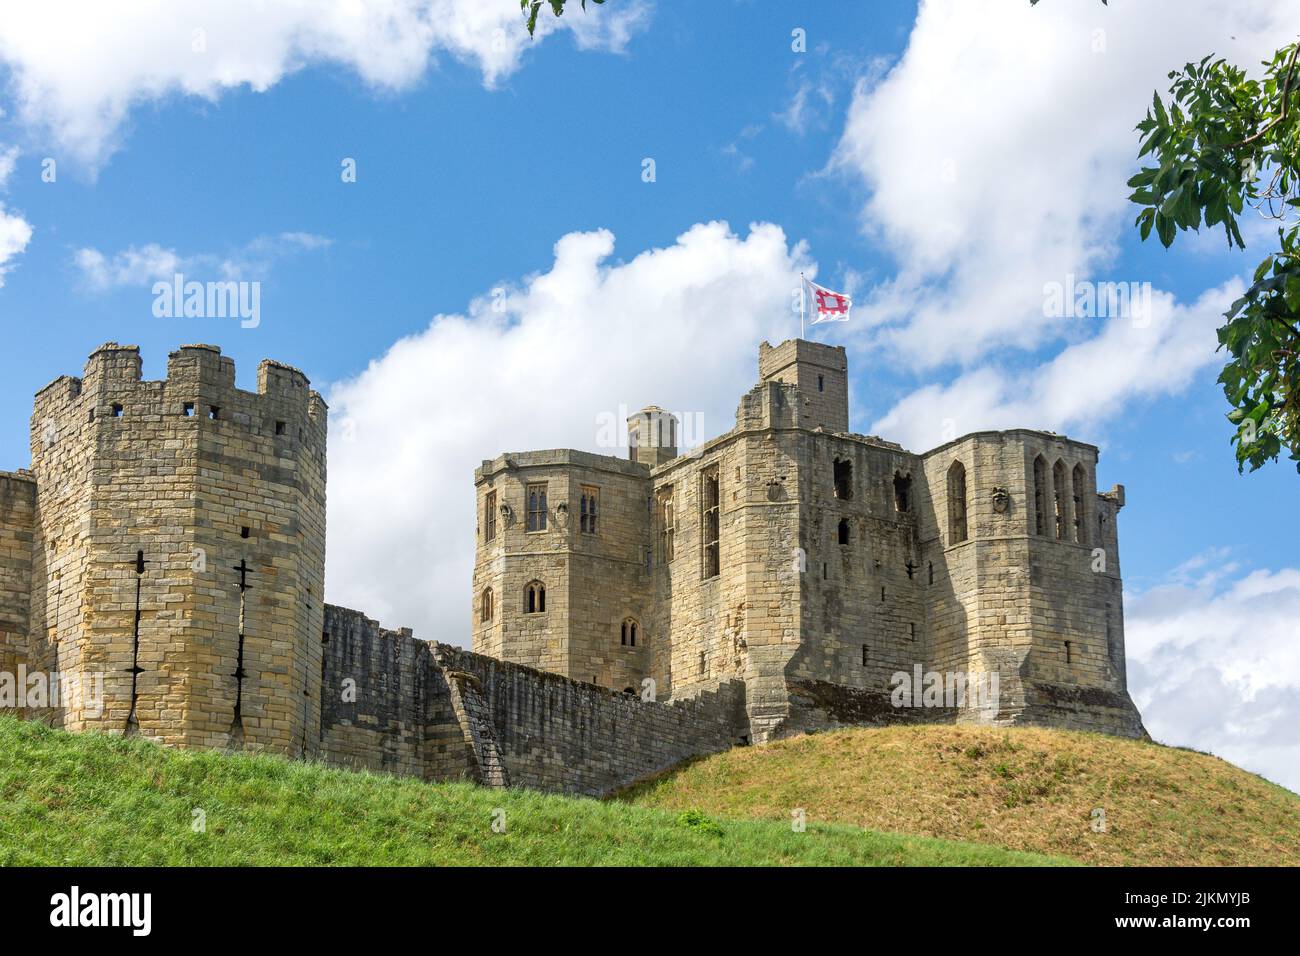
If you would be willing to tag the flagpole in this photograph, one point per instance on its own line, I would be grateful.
(802, 304)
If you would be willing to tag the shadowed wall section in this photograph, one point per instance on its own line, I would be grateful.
(395, 703)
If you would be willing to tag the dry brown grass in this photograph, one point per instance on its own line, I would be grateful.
(1020, 788)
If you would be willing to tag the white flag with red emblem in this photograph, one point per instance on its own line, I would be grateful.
(828, 306)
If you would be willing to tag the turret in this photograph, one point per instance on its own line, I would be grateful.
(652, 436)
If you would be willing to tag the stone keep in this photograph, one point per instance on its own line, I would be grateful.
(162, 566)
(811, 564)
(175, 552)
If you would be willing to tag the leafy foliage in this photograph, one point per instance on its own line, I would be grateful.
(1226, 141)
(1223, 142)
(531, 7)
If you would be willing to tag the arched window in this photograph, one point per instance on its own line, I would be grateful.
(485, 606)
(1058, 498)
(535, 598)
(902, 492)
(536, 507)
(844, 531)
(956, 502)
(1040, 495)
(633, 440)
(628, 637)
(1078, 484)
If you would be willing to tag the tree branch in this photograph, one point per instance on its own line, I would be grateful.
(1286, 102)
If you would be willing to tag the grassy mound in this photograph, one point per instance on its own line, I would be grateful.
(89, 799)
(1020, 788)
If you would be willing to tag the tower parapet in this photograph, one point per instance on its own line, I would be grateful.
(819, 371)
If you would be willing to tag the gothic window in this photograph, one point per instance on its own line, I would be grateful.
(490, 516)
(844, 531)
(628, 636)
(902, 492)
(710, 514)
(1078, 483)
(1040, 495)
(633, 439)
(536, 508)
(485, 607)
(587, 520)
(843, 480)
(1058, 498)
(956, 503)
(667, 525)
(535, 598)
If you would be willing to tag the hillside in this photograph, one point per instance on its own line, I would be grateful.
(89, 799)
(1019, 788)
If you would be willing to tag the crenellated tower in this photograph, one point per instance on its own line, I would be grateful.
(179, 549)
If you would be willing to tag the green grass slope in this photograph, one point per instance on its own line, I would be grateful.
(89, 799)
(1021, 788)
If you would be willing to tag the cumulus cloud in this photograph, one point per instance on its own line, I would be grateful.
(995, 152)
(541, 363)
(1212, 662)
(142, 265)
(1082, 386)
(15, 231)
(78, 67)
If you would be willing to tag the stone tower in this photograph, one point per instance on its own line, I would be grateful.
(178, 551)
(652, 436)
(816, 566)
(821, 374)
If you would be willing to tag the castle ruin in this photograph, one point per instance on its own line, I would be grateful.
(162, 572)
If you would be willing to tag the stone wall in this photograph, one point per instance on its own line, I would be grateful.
(17, 533)
(444, 713)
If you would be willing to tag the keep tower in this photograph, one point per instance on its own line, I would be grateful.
(179, 550)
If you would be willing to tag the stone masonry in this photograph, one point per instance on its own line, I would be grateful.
(162, 571)
(813, 565)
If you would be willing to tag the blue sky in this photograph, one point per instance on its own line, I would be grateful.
(942, 165)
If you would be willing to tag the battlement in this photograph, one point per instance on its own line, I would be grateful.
(819, 371)
(200, 386)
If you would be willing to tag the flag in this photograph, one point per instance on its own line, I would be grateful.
(828, 306)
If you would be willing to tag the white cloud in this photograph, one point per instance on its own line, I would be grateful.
(1213, 665)
(8, 161)
(142, 265)
(1084, 385)
(803, 111)
(78, 67)
(677, 326)
(996, 150)
(15, 231)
